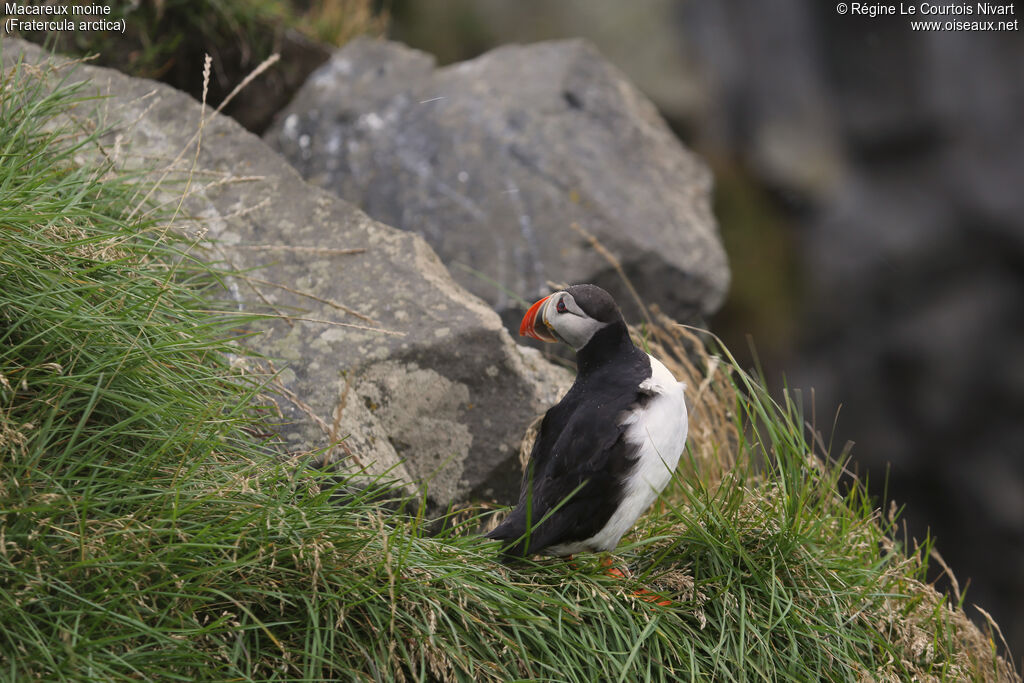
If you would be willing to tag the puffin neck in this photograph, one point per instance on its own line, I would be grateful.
(608, 344)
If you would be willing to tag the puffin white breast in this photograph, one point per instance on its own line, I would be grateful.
(657, 429)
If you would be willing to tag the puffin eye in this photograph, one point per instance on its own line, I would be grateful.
(560, 307)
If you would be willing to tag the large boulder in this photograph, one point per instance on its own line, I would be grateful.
(495, 160)
(374, 340)
(742, 74)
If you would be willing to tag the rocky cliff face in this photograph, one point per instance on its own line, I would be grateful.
(495, 160)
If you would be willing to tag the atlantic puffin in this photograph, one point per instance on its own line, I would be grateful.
(609, 447)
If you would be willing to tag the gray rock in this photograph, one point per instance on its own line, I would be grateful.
(741, 75)
(493, 160)
(644, 44)
(378, 343)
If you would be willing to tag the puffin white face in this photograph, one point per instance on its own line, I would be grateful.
(559, 317)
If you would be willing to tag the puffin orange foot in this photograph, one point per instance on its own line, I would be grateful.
(653, 598)
(643, 593)
(611, 571)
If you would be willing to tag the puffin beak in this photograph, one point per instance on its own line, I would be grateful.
(533, 324)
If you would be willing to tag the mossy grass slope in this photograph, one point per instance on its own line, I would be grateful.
(148, 532)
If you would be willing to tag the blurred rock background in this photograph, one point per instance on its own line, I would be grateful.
(870, 192)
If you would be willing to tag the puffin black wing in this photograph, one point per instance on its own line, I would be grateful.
(574, 481)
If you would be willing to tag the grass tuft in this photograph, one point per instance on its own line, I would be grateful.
(146, 532)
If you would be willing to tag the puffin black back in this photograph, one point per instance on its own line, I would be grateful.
(597, 450)
(612, 352)
(577, 465)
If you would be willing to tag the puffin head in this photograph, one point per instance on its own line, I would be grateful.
(572, 315)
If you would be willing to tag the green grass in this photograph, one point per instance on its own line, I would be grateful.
(147, 532)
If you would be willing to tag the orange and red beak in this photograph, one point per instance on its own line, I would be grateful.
(533, 324)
